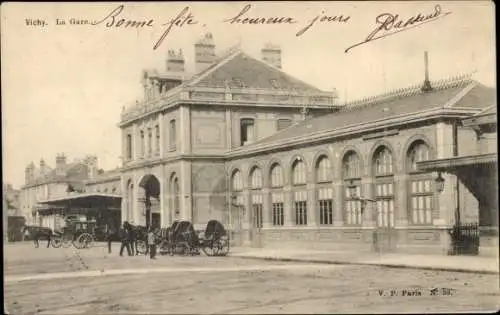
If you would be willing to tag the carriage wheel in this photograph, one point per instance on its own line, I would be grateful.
(56, 241)
(209, 249)
(223, 246)
(141, 247)
(85, 240)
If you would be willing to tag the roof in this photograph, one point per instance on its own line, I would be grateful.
(407, 101)
(240, 70)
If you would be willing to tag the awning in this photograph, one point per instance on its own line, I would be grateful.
(85, 200)
(477, 172)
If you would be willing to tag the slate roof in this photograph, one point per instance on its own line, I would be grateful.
(240, 70)
(399, 104)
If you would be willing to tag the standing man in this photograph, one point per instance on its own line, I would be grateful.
(110, 233)
(151, 244)
(124, 238)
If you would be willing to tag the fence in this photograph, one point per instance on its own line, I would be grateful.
(464, 239)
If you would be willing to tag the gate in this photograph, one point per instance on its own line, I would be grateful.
(464, 239)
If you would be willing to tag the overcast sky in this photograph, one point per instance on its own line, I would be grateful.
(63, 86)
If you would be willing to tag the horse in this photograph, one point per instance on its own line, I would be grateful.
(137, 233)
(37, 232)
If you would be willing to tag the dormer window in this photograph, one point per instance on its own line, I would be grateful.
(239, 83)
(274, 84)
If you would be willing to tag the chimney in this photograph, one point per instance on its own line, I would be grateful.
(29, 173)
(43, 167)
(272, 55)
(60, 164)
(175, 61)
(204, 51)
(426, 87)
(91, 164)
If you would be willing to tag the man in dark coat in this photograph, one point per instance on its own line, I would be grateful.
(110, 233)
(124, 238)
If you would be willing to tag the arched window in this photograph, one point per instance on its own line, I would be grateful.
(257, 198)
(420, 185)
(299, 173)
(236, 199)
(383, 162)
(300, 193)
(276, 176)
(256, 178)
(351, 176)
(237, 181)
(384, 186)
(323, 170)
(277, 199)
(113, 190)
(324, 190)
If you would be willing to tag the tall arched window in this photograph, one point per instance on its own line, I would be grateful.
(236, 192)
(257, 198)
(277, 199)
(420, 185)
(299, 191)
(351, 176)
(177, 195)
(324, 190)
(384, 186)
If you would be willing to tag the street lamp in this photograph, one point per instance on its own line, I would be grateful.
(439, 183)
(354, 195)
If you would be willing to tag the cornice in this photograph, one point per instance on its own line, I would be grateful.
(353, 129)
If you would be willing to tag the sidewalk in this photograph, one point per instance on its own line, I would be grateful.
(474, 264)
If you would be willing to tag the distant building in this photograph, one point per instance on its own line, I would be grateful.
(45, 183)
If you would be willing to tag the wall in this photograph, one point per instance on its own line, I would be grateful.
(209, 193)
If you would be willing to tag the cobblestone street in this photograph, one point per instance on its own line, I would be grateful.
(203, 284)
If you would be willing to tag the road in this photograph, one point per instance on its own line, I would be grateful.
(229, 285)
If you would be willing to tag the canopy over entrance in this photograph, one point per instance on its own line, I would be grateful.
(85, 200)
(477, 172)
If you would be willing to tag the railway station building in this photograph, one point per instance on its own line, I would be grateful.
(282, 163)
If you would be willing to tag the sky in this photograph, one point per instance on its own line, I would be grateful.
(64, 86)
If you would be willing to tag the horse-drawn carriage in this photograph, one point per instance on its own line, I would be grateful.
(181, 238)
(78, 233)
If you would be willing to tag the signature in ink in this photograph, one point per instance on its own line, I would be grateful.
(114, 19)
(391, 24)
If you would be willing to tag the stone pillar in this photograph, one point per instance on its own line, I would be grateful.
(184, 130)
(135, 142)
(369, 215)
(266, 208)
(246, 224)
(312, 207)
(164, 220)
(338, 203)
(140, 207)
(186, 193)
(446, 200)
(161, 122)
(229, 128)
(401, 200)
(125, 198)
(288, 206)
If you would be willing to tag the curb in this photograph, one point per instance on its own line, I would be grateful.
(360, 263)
